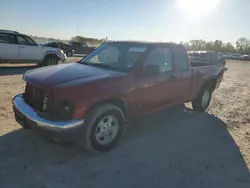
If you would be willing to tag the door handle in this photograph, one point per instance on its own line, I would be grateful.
(172, 78)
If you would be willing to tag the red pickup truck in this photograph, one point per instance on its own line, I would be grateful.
(91, 101)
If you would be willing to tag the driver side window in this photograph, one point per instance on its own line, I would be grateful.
(160, 57)
(22, 40)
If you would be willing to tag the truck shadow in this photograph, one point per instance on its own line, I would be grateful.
(15, 70)
(171, 148)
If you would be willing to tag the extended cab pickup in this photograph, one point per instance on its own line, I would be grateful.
(91, 101)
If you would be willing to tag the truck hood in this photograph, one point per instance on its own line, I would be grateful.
(47, 48)
(69, 72)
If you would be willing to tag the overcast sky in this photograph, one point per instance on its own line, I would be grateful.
(151, 20)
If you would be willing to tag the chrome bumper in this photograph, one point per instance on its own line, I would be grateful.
(31, 114)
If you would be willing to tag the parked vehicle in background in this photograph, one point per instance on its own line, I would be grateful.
(67, 49)
(226, 55)
(245, 58)
(231, 56)
(19, 48)
(81, 48)
(206, 57)
(235, 56)
(97, 96)
(221, 55)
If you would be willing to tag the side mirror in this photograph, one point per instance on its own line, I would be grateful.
(151, 70)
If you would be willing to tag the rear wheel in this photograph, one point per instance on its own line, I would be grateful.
(203, 100)
(50, 60)
(104, 128)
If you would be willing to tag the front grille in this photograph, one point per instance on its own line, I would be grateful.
(34, 97)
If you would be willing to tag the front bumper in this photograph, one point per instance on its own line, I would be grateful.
(29, 118)
(62, 57)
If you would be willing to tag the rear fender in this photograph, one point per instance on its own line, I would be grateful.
(205, 80)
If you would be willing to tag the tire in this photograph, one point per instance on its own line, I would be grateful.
(50, 60)
(69, 54)
(96, 138)
(25, 126)
(202, 102)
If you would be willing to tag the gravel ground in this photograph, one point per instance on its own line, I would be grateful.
(171, 148)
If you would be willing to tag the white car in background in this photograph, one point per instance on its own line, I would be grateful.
(19, 48)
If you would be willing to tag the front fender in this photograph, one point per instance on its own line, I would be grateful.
(60, 56)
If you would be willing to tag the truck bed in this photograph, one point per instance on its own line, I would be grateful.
(200, 63)
(202, 72)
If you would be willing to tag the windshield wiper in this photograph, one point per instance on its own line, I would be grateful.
(100, 65)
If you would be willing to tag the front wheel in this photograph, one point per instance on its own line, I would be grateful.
(203, 100)
(104, 127)
(69, 54)
(50, 60)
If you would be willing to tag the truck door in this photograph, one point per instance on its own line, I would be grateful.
(85, 49)
(155, 86)
(183, 74)
(8, 47)
(77, 47)
(28, 49)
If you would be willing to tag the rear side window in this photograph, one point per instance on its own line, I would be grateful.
(76, 44)
(202, 56)
(181, 58)
(4, 38)
(160, 57)
(61, 45)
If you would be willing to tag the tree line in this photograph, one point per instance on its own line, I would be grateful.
(242, 46)
(91, 41)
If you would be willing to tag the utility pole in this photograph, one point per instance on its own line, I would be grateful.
(77, 29)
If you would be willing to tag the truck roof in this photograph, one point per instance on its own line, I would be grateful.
(147, 43)
(8, 31)
(12, 32)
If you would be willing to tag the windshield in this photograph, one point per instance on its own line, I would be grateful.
(115, 56)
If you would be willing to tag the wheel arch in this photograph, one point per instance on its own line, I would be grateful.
(48, 54)
(211, 82)
(120, 102)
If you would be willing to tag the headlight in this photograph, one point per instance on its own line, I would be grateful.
(60, 51)
(45, 102)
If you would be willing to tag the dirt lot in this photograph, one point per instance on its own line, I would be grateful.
(172, 148)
